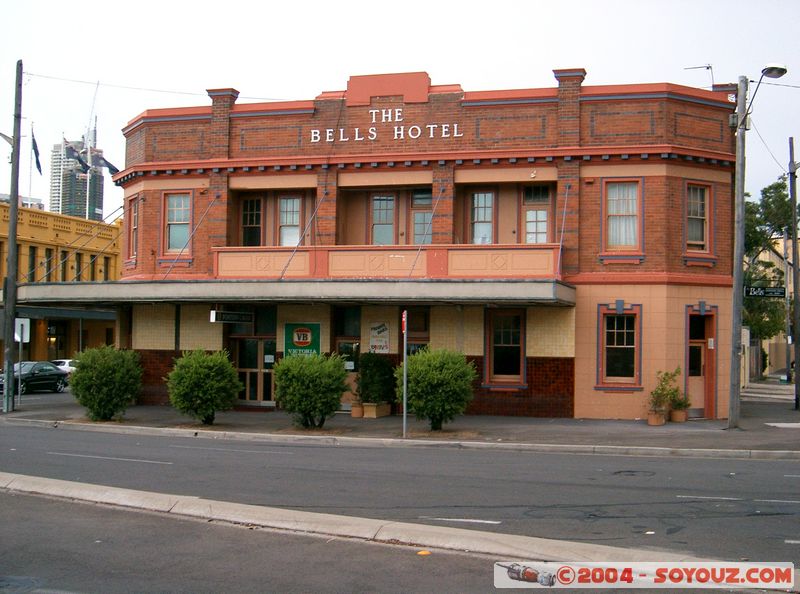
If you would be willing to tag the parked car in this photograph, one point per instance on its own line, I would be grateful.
(67, 365)
(38, 375)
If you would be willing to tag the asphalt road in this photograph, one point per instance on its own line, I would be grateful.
(672, 504)
(52, 545)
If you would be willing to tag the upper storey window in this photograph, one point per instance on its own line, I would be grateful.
(422, 215)
(178, 213)
(536, 206)
(697, 218)
(289, 220)
(481, 218)
(382, 213)
(251, 222)
(622, 204)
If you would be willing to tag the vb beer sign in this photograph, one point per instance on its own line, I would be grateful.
(301, 339)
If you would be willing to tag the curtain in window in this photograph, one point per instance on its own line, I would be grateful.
(623, 214)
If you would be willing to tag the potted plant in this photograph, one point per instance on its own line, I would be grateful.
(662, 395)
(679, 407)
(375, 385)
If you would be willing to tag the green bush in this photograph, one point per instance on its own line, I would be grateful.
(310, 387)
(375, 381)
(439, 385)
(666, 390)
(106, 381)
(200, 384)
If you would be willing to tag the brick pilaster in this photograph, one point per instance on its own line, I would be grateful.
(569, 109)
(222, 101)
(325, 223)
(567, 215)
(442, 227)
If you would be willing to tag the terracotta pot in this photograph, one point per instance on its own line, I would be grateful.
(678, 416)
(356, 410)
(656, 418)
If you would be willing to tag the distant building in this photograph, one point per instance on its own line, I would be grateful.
(35, 203)
(56, 250)
(70, 179)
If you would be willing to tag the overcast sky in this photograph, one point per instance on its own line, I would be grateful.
(148, 54)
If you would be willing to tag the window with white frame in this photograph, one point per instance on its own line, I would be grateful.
(289, 220)
(178, 214)
(697, 218)
(382, 213)
(481, 217)
(622, 215)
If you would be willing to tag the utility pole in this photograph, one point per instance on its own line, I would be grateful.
(795, 267)
(10, 289)
(738, 258)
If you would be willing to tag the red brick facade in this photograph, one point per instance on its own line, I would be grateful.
(345, 155)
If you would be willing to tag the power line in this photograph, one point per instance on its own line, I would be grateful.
(130, 88)
(766, 146)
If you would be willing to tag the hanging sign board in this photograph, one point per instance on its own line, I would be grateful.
(231, 317)
(301, 339)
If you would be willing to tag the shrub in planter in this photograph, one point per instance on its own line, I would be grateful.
(106, 381)
(375, 382)
(439, 385)
(310, 387)
(201, 383)
(662, 395)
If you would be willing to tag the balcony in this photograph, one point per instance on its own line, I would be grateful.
(431, 273)
(447, 262)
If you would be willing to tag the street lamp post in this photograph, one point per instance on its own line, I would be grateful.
(770, 71)
(795, 269)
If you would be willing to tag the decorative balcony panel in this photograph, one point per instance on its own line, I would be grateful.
(389, 262)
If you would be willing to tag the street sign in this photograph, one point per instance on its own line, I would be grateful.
(765, 292)
(22, 330)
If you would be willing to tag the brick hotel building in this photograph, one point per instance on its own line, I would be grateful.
(571, 241)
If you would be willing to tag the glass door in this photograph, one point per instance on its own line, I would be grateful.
(254, 361)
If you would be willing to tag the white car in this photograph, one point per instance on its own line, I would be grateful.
(67, 365)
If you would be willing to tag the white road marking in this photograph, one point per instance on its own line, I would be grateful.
(232, 450)
(792, 541)
(776, 501)
(108, 458)
(703, 497)
(463, 520)
(791, 475)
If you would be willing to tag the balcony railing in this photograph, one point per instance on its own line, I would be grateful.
(388, 262)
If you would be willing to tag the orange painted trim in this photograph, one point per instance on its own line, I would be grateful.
(400, 158)
(511, 94)
(277, 106)
(649, 88)
(649, 278)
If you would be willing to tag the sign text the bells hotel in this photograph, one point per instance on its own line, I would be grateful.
(400, 130)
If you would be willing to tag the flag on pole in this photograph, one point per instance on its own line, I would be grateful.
(36, 152)
(71, 153)
(101, 161)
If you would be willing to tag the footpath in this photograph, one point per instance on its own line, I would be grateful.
(769, 429)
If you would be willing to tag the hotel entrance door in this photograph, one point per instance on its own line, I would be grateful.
(255, 358)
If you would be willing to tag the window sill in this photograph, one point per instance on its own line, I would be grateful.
(505, 387)
(619, 388)
(699, 259)
(621, 258)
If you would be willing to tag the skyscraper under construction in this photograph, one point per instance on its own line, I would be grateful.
(76, 186)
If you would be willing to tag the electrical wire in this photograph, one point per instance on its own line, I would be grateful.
(131, 88)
